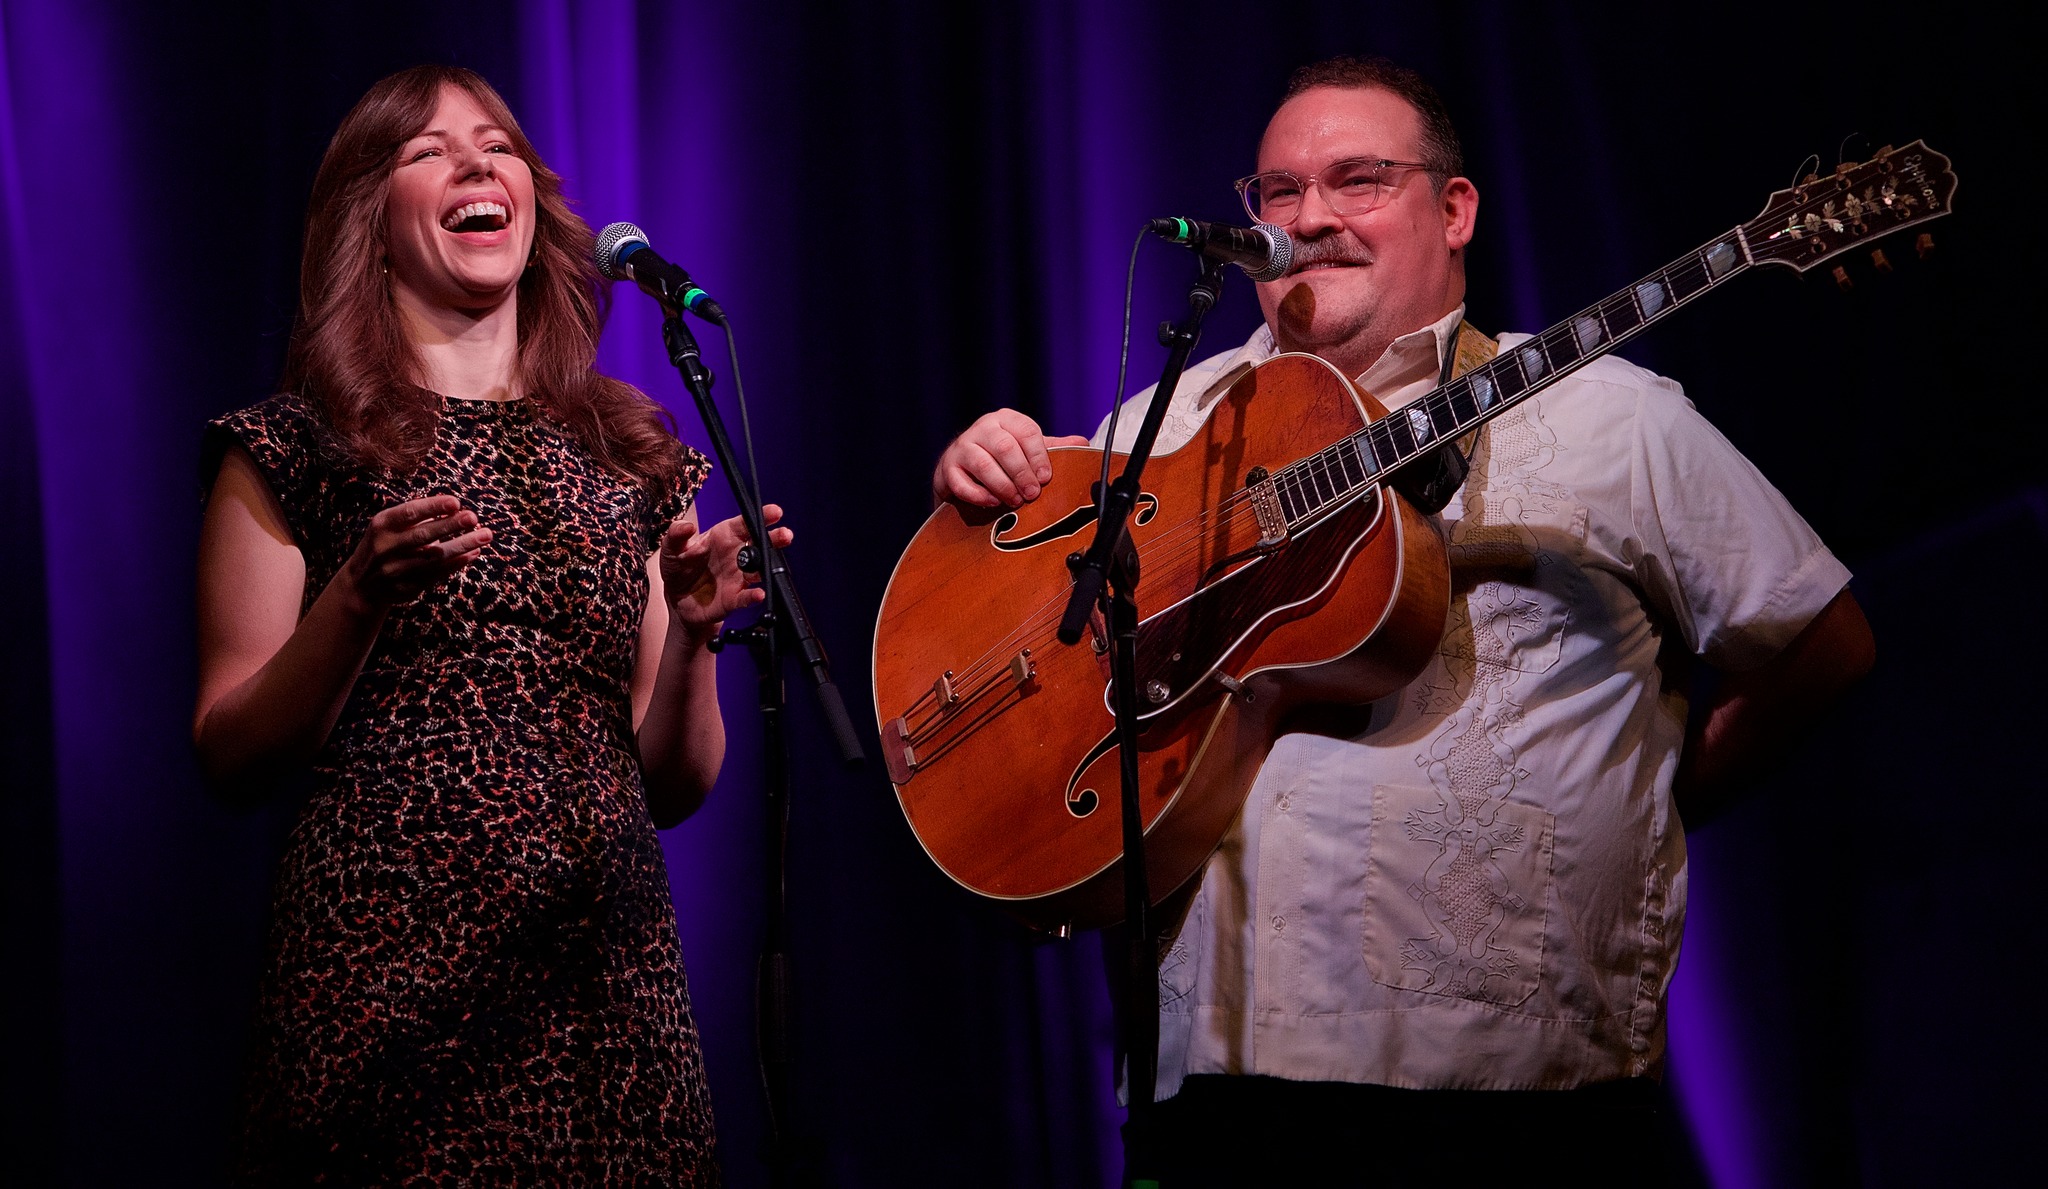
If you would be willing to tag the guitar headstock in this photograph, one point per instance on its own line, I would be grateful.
(1826, 216)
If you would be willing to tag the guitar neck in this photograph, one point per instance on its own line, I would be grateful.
(1325, 480)
(1800, 227)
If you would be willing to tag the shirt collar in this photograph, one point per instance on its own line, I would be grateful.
(1411, 364)
(1408, 367)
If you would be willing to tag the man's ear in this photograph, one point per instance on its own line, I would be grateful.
(1461, 212)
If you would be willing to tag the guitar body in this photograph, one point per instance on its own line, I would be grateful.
(1000, 740)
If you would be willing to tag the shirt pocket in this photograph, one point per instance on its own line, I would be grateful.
(1456, 903)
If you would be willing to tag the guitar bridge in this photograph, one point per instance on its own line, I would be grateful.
(941, 708)
(1266, 510)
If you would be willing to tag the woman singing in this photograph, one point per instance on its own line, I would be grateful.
(455, 573)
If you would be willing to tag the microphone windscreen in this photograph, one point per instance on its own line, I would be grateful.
(1282, 258)
(611, 244)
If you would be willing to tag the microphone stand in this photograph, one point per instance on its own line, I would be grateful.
(782, 623)
(1107, 577)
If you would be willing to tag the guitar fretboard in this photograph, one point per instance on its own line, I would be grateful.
(1312, 487)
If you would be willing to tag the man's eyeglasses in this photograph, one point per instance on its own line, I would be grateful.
(1350, 187)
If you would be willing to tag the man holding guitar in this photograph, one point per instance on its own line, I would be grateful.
(1440, 935)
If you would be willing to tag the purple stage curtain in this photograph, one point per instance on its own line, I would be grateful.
(915, 213)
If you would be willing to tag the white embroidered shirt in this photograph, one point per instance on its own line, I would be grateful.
(1480, 882)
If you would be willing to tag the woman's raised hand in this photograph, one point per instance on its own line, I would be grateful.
(700, 573)
(412, 546)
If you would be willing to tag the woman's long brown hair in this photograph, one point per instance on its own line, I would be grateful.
(349, 353)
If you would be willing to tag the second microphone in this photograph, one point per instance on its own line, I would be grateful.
(623, 254)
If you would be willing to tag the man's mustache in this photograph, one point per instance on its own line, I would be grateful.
(1330, 249)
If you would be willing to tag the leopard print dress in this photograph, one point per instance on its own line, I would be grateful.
(472, 970)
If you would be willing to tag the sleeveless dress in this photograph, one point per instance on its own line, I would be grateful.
(472, 970)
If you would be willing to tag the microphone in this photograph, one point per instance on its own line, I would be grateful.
(623, 254)
(1264, 252)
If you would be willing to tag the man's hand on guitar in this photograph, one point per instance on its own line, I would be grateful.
(999, 462)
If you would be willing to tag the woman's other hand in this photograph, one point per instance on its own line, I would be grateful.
(700, 573)
(411, 547)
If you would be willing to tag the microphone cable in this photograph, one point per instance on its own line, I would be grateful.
(1123, 361)
(739, 393)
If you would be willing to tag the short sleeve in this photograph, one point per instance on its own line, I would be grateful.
(1742, 573)
(690, 474)
(283, 437)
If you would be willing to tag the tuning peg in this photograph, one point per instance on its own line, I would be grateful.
(1924, 245)
(1842, 279)
(1879, 261)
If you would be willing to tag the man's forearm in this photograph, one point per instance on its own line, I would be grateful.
(1756, 716)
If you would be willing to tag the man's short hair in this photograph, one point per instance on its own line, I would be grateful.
(1440, 148)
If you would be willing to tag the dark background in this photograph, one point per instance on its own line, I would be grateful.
(915, 213)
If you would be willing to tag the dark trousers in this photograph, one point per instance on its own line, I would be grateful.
(1260, 1131)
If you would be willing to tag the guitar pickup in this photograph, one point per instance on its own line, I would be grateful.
(943, 690)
